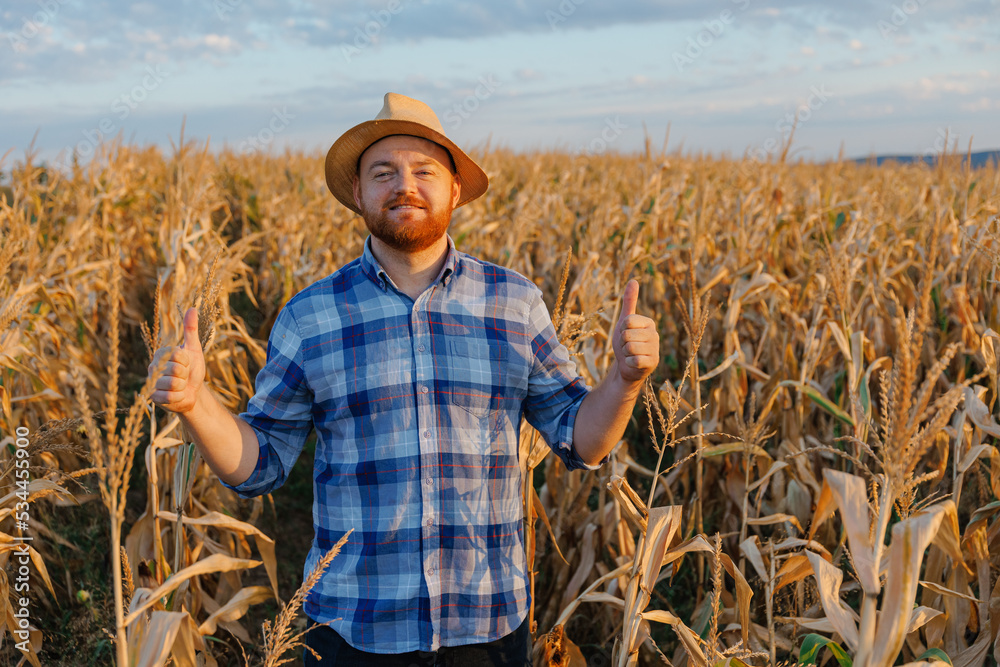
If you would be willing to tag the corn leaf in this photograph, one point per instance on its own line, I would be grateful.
(935, 654)
(214, 563)
(910, 539)
(811, 646)
(828, 580)
(235, 608)
(851, 495)
(819, 399)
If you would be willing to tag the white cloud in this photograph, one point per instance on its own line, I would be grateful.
(930, 88)
(221, 43)
(529, 74)
(147, 36)
(982, 104)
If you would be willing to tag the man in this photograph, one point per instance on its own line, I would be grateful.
(414, 363)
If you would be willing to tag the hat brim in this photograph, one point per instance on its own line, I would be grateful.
(342, 158)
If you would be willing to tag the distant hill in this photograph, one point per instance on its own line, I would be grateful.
(980, 159)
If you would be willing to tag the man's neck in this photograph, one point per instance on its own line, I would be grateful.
(411, 272)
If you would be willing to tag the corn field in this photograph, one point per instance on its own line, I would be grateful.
(812, 476)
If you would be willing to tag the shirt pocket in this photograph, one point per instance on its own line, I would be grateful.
(476, 367)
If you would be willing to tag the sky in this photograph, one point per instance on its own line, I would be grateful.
(728, 77)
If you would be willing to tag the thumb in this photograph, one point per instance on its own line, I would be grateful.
(191, 340)
(629, 299)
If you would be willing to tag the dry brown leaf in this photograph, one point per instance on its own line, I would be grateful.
(264, 543)
(851, 496)
(821, 625)
(606, 598)
(826, 505)
(828, 580)
(978, 413)
(236, 607)
(583, 570)
(743, 595)
(910, 539)
(664, 522)
(775, 467)
(795, 568)
(920, 617)
(775, 518)
(944, 590)
(214, 563)
(626, 498)
(544, 516)
(987, 346)
(690, 640)
(751, 550)
(168, 634)
(698, 543)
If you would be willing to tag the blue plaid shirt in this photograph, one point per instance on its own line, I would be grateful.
(417, 407)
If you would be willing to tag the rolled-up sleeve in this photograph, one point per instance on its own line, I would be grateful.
(280, 411)
(555, 390)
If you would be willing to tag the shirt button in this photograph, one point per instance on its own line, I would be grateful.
(424, 390)
(429, 481)
(429, 523)
(421, 348)
(427, 434)
(430, 571)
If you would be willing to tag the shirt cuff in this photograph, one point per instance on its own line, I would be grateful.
(240, 489)
(250, 488)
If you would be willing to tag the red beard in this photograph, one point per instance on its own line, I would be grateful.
(406, 236)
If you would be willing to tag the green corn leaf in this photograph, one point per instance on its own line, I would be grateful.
(934, 654)
(811, 646)
(820, 400)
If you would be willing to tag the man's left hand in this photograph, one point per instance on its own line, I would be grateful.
(636, 341)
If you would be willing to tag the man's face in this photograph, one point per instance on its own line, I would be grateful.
(406, 191)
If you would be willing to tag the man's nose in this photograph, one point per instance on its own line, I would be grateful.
(405, 182)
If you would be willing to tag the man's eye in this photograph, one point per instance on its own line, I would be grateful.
(381, 174)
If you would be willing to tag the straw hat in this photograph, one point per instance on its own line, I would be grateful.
(399, 115)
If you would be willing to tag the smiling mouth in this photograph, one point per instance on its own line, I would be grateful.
(405, 207)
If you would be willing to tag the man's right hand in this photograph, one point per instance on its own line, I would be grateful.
(178, 388)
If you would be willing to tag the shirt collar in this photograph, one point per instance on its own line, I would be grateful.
(377, 274)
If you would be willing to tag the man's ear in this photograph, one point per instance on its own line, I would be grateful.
(356, 186)
(456, 190)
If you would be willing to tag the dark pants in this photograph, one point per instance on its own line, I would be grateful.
(510, 651)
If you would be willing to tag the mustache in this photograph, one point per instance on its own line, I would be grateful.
(405, 201)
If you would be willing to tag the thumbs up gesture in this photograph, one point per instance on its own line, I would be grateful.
(178, 387)
(636, 342)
